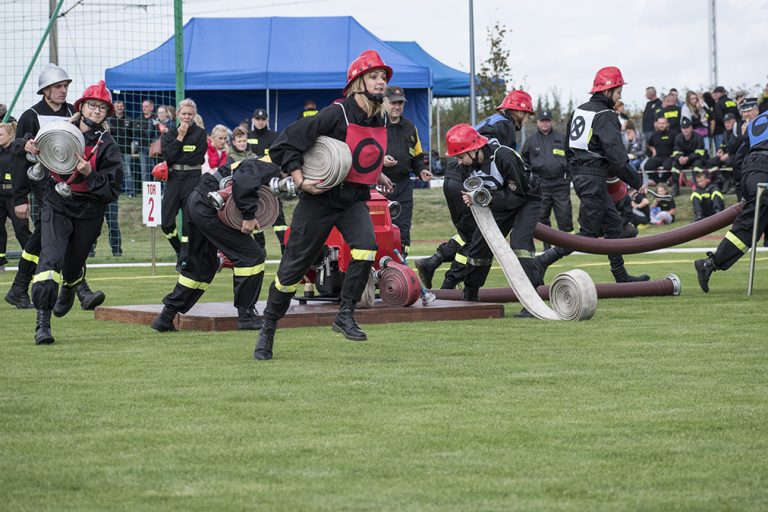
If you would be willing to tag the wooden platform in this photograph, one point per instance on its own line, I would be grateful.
(222, 316)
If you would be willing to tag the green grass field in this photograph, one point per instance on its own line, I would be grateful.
(655, 404)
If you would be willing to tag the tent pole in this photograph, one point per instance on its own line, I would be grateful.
(437, 135)
(267, 107)
(277, 107)
(429, 124)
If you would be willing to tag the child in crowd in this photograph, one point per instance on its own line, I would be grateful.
(707, 199)
(663, 210)
(239, 149)
(216, 156)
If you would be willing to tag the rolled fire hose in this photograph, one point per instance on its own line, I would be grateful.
(656, 288)
(639, 244)
(267, 209)
(398, 285)
(368, 298)
(328, 160)
(576, 298)
(60, 143)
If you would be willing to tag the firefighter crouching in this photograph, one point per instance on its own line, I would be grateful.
(358, 120)
(70, 225)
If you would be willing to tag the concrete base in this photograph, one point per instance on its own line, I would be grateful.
(222, 316)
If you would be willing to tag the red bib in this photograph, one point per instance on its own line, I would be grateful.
(368, 147)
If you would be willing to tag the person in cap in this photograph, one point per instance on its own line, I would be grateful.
(260, 137)
(52, 85)
(723, 105)
(595, 153)
(752, 166)
(183, 148)
(404, 156)
(501, 127)
(359, 121)
(544, 154)
(689, 152)
(207, 234)
(515, 203)
(71, 223)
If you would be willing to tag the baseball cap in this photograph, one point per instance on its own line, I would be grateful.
(729, 116)
(685, 123)
(260, 113)
(395, 93)
(720, 88)
(545, 114)
(748, 104)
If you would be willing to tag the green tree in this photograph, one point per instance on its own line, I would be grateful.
(495, 76)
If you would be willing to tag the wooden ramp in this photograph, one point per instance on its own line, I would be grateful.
(222, 316)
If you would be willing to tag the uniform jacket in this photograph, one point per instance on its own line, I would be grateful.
(663, 142)
(544, 154)
(122, 131)
(145, 130)
(691, 147)
(247, 177)
(12, 162)
(672, 114)
(606, 154)
(504, 174)
(404, 146)
(500, 128)
(724, 105)
(652, 109)
(707, 202)
(190, 151)
(259, 141)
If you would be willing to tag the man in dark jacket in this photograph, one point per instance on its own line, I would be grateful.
(544, 155)
(507, 121)
(689, 150)
(595, 152)
(723, 105)
(260, 137)
(671, 112)
(404, 156)
(651, 112)
(661, 145)
(121, 128)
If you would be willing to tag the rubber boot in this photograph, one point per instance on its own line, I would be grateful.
(65, 300)
(345, 323)
(263, 350)
(471, 295)
(704, 269)
(427, 267)
(43, 334)
(248, 320)
(164, 321)
(89, 300)
(18, 295)
(620, 275)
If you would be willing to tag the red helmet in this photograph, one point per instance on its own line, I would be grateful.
(462, 138)
(366, 61)
(607, 78)
(160, 171)
(99, 92)
(517, 100)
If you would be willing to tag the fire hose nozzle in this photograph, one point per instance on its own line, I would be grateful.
(394, 209)
(384, 261)
(473, 183)
(215, 199)
(36, 172)
(224, 182)
(284, 188)
(63, 190)
(480, 196)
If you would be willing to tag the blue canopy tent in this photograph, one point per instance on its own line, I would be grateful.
(282, 62)
(447, 81)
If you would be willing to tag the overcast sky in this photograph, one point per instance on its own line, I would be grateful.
(559, 43)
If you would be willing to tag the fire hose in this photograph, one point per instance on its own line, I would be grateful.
(398, 283)
(60, 143)
(328, 160)
(656, 288)
(267, 208)
(574, 296)
(640, 244)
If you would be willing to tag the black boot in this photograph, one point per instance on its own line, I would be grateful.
(263, 350)
(704, 269)
(43, 334)
(164, 321)
(18, 297)
(345, 323)
(524, 313)
(248, 319)
(88, 299)
(620, 275)
(471, 295)
(427, 267)
(65, 301)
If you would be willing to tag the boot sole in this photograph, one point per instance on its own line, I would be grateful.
(16, 304)
(339, 330)
(262, 357)
(44, 341)
(93, 304)
(59, 314)
(249, 327)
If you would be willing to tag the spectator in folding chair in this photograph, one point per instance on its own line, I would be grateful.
(689, 150)
(660, 145)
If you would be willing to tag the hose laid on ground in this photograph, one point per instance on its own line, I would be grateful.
(398, 285)
(639, 244)
(60, 143)
(266, 212)
(656, 288)
(576, 296)
(328, 160)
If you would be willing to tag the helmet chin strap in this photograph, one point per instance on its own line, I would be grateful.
(375, 98)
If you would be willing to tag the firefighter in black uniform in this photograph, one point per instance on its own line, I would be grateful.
(707, 199)
(595, 151)
(661, 145)
(689, 150)
(515, 203)
(753, 169)
(260, 138)
(544, 154)
(671, 112)
(207, 233)
(358, 120)
(71, 225)
(310, 109)
(404, 155)
(53, 84)
(183, 149)
(502, 127)
(12, 161)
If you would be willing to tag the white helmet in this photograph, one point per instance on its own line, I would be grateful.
(52, 74)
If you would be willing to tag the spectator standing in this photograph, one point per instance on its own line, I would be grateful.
(12, 161)
(146, 132)
(260, 137)
(671, 112)
(544, 154)
(121, 128)
(310, 109)
(763, 100)
(3, 111)
(723, 105)
(403, 157)
(698, 114)
(651, 112)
